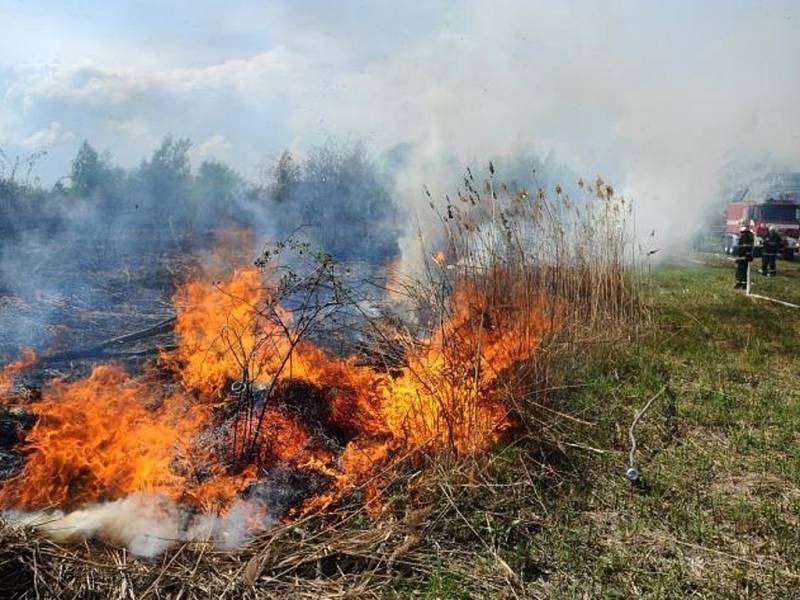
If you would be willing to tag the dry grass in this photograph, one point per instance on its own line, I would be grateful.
(544, 279)
(288, 561)
(341, 553)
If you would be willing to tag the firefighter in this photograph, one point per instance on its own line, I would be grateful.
(744, 255)
(698, 238)
(773, 243)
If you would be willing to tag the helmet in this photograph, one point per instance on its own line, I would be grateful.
(744, 225)
(773, 229)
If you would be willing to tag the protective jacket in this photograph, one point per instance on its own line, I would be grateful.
(745, 246)
(772, 243)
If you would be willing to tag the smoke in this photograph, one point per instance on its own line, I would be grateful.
(656, 98)
(338, 198)
(148, 524)
(110, 243)
(73, 271)
(661, 99)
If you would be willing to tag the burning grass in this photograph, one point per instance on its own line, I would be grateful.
(11, 370)
(251, 420)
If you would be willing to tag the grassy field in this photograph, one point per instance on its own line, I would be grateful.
(717, 515)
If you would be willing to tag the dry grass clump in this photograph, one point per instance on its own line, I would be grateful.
(290, 560)
(521, 281)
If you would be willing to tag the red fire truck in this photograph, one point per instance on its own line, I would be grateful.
(771, 203)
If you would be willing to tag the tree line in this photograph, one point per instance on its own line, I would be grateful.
(335, 196)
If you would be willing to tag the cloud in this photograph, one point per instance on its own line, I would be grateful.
(272, 72)
(127, 108)
(135, 129)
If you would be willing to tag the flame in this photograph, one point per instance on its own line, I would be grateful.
(98, 439)
(114, 434)
(218, 329)
(444, 395)
(8, 374)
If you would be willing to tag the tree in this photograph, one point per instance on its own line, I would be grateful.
(285, 177)
(340, 201)
(92, 172)
(168, 171)
(216, 186)
(86, 167)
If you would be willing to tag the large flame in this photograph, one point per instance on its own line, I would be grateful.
(218, 327)
(112, 434)
(102, 438)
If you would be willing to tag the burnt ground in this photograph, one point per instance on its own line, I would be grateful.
(80, 308)
(14, 421)
(54, 306)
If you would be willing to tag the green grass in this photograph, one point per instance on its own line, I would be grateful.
(719, 516)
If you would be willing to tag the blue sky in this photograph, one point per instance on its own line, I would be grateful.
(652, 94)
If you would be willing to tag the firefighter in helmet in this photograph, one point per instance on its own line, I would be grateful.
(773, 243)
(744, 254)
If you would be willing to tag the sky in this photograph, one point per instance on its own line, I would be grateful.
(656, 96)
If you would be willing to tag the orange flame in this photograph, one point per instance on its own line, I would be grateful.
(8, 374)
(218, 330)
(113, 434)
(99, 439)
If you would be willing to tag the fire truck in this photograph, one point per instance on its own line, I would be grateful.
(771, 202)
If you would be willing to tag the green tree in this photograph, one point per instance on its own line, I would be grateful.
(216, 186)
(92, 172)
(168, 171)
(285, 176)
(339, 199)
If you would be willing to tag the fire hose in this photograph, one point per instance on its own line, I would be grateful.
(633, 473)
(760, 297)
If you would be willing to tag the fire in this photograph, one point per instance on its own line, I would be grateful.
(114, 434)
(99, 439)
(9, 373)
(444, 395)
(218, 327)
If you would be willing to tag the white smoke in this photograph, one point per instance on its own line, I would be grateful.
(656, 98)
(147, 524)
